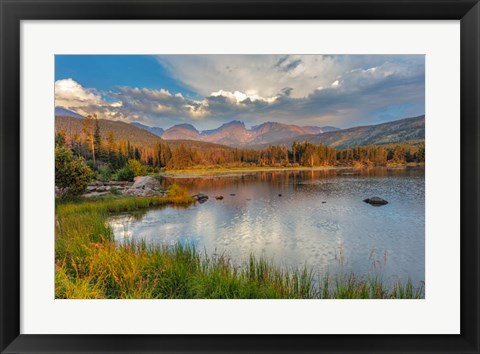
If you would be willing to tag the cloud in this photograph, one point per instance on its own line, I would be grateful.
(126, 103)
(264, 75)
(267, 75)
(286, 64)
(240, 98)
(150, 104)
(340, 90)
(72, 95)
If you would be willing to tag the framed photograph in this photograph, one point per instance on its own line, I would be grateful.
(237, 176)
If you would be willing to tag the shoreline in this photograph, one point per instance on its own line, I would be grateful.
(136, 270)
(246, 170)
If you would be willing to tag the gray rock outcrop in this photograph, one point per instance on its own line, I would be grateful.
(143, 186)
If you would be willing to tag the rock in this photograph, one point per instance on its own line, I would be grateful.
(132, 192)
(95, 194)
(323, 202)
(101, 189)
(280, 195)
(144, 186)
(219, 197)
(200, 197)
(375, 201)
(117, 183)
(150, 193)
(91, 188)
(232, 194)
(140, 192)
(146, 182)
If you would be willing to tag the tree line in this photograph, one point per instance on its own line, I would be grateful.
(110, 158)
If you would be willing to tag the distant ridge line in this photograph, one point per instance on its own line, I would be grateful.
(235, 134)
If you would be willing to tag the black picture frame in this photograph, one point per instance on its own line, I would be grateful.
(14, 11)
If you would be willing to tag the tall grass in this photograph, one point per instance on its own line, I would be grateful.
(90, 265)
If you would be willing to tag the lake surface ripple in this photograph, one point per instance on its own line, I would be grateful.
(297, 218)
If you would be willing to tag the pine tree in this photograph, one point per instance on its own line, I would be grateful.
(90, 130)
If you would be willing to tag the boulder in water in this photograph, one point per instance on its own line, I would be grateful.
(375, 201)
(200, 197)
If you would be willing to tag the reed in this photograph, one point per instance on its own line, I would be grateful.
(90, 265)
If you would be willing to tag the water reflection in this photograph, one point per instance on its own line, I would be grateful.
(320, 219)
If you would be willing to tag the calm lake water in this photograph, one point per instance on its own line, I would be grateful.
(320, 220)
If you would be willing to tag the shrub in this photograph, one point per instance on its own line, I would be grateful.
(137, 167)
(177, 194)
(115, 190)
(125, 174)
(103, 174)
(91, 164)
(71, 173)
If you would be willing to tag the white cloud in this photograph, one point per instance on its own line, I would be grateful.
(71, 95)
(239, 98)
(116, 104)
(269, 75)
(264, 75)
(340, 90)
(336, 83)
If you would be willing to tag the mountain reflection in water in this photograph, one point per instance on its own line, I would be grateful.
(297, 218)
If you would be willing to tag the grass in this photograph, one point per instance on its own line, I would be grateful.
(90, 265)
(207, 170)
(226, 169)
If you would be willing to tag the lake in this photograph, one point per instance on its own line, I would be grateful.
(299, 218)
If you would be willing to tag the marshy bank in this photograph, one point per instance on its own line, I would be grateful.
(90, 264)
(296, 219)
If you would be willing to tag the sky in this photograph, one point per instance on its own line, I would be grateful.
(209, 90)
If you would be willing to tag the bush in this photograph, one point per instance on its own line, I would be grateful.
(178, 194)
(91, 164)
(115, 190)
(71, 173)
(103, 174)
(152, 170)
(137, 167)
(125, 174)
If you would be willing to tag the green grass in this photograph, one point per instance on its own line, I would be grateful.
(209, 170)
(225, 169)
(89, 265)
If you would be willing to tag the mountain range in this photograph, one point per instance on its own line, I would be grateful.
(398, 131)
(61, 111)
(155, 130)
(236, 134)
